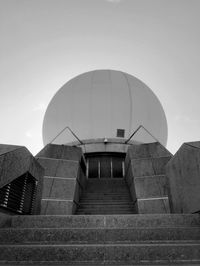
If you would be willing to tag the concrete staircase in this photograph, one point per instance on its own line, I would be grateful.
(106, 196)
(158, 239)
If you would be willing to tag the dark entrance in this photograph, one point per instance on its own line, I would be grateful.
(105, 165)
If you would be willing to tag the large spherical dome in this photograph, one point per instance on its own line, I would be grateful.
(99, 104)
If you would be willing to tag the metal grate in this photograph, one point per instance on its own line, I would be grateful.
(19, 195)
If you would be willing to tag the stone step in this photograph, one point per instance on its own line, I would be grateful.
(99, 201)
(114, 192)
(106, 181)
(104, 212)
(106, 192)
(106, 253)
(89, 263)
(111, 203)
(97, 235)
(106, 198)
(108, 221)
(104, 206)
(108, 195)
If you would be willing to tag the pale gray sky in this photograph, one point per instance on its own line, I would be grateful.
(44, 43)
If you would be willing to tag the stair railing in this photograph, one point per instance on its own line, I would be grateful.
(141, 126)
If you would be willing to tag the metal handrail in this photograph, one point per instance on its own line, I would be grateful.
(67, 127)
(141, 126)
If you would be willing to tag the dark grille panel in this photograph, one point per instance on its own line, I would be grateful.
(19, 195)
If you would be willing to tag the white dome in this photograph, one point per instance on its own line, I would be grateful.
(97, 103)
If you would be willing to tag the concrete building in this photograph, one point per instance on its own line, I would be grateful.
(104, 190)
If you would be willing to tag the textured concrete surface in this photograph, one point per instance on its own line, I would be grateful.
(60, 168)
(64, 152)
(147, 150)
(64, 178)
(57, 207)
(58, 188)
(97, 253)
(108, 221)
(151, 186)
(106, 196)
(16, 161)
(5, 148)
(108, 239)
(154, 205)
(96, 235)
(183, 172)
(145, 176)
(149, 166)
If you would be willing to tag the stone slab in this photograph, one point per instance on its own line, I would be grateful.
(59, 168)
(5, 148)
(151, 186)
(149, 166)
(195, 144)
(57, 207)
(64, 152)
(106, 221)
(147, 150)
(62, 188)
(183, 172)
(97, 253)
(153, 205)
(96, 235)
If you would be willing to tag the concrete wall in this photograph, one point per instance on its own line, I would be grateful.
(100, 145)
(183, 172)
(145, 176)
(64, 178)
(16, 161)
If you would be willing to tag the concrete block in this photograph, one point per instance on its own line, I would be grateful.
(147, 150)
(58, 188)
(63, 152)
(98, 145)
(57, 207)
(154, 205)
(5, 219)
(149, 166)
(151, 186)
(60, 168)
(5, 148)
(183, 172)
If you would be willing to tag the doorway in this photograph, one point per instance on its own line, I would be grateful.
(105, 165)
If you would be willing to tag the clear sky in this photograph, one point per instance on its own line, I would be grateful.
(44, 43)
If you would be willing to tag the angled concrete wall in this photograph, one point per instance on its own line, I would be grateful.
(183, 172)
(145, 176)
(64, 178)
(16, 161)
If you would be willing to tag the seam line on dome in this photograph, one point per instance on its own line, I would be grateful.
(131, 106)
